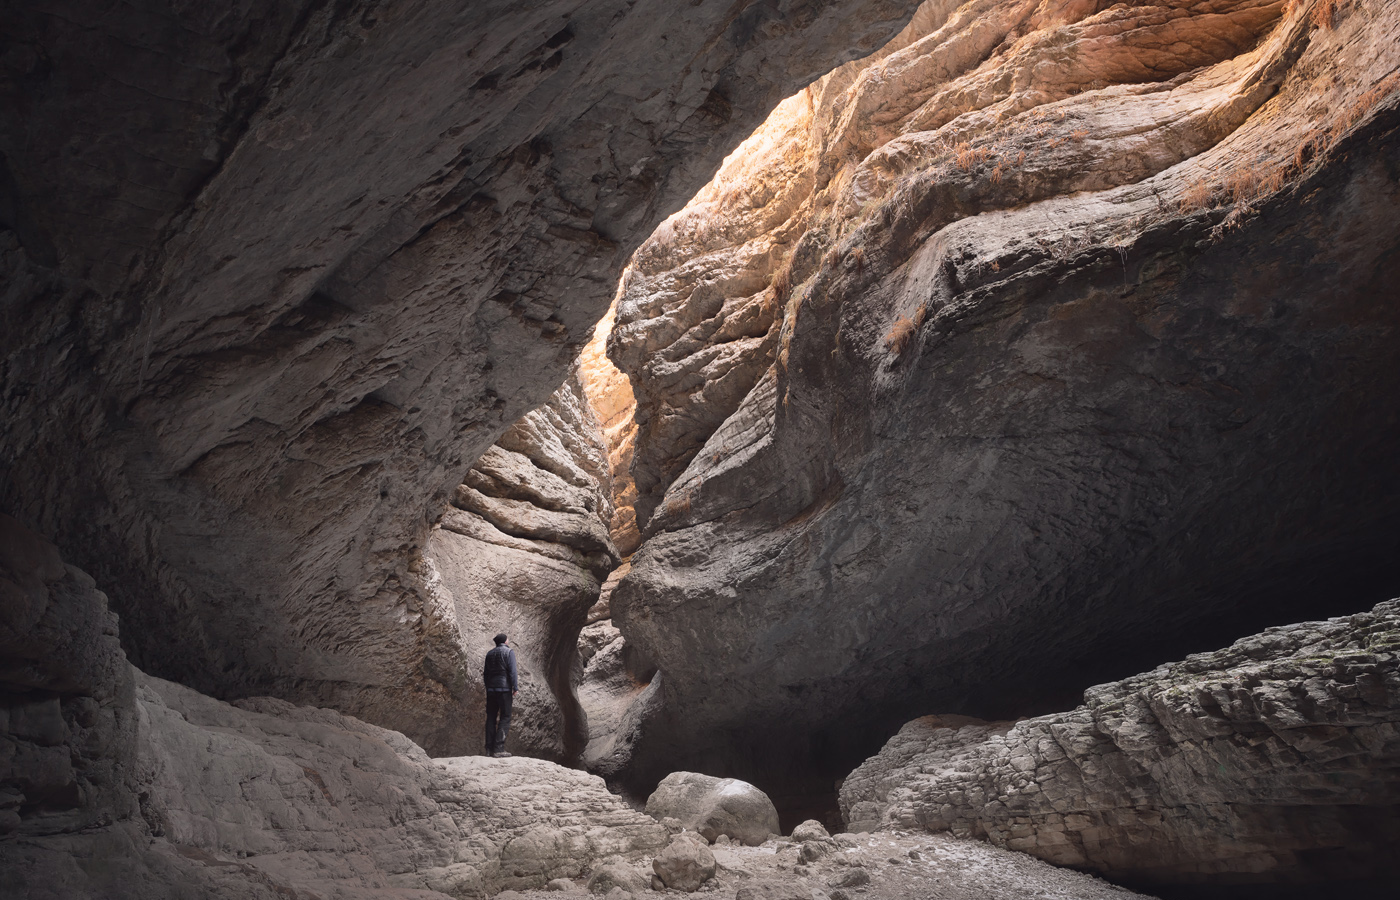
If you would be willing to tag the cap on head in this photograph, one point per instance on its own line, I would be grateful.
(500, 638)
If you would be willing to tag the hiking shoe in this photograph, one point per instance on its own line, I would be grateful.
(500, 754)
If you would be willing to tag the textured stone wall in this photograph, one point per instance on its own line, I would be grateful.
(274, 274)
(524, 550)
(1056, 342)
(1276, 759)
(117, 785)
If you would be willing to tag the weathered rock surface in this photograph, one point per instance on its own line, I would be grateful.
(715, 806)
(1275, 759)
(1056, 341)
(274, 274)
(525, 549)
(614, 689)
(118, 785)
(685, 863)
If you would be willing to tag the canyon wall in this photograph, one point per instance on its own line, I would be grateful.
(524, 550)
(1054, 342)
(1277, 759)
(114, 784)
(275, 274)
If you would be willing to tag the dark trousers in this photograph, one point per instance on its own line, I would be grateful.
(498, 705)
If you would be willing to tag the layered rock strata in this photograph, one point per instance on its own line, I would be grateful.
(114, 784)
(1275, 759)
(276, 273)
(1056, 340)
(524, 549)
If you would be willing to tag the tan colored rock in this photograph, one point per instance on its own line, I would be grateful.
(977, 374)
(1272, 760)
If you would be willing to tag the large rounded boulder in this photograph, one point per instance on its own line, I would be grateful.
(715, 806)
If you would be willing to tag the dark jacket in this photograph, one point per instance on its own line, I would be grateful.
(499, 671)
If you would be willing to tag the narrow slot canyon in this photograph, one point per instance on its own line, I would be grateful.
(915, 449)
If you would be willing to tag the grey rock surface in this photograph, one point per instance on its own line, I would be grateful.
(999, 366)
(524, 550)
(1276, 759)
(119, 785)
(273, 275)
(685, 863)
(715, 806)
(611, 876)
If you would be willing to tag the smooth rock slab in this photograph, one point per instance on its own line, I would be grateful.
(714, 806)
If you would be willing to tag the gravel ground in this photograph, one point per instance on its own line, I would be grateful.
(874, 867)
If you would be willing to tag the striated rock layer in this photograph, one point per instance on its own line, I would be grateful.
(524, 550)
(274, 274)
(1055, 340)
(114, 784)
(1275, 759)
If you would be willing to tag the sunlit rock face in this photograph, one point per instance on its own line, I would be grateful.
(1052, 344)
(275, 274)
(1275, 759)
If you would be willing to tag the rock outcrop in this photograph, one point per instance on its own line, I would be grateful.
(525, 549)
(713, 806)
(273, 275)
(1055, 341)
(1277, 759)
(118, 785)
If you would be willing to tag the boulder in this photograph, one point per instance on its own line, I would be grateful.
(810, 830)
(685, 863)
(617, 875)
(714, 806)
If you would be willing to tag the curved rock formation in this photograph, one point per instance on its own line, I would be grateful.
(1056, 341)
(524, 550)
(275, 274)
(117, 785)
(1277, 759)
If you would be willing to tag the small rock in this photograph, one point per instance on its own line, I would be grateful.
(814, 850)
(510, 895)
(915, 855)
(839, 894)
(560, 884)
(810, 830)
(617, 893)
(895, 861)
(672, 824)
(619, 875)
(685, 863)
(855, 876)
(801, 870)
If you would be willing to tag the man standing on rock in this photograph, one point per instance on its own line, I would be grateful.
(501, 685)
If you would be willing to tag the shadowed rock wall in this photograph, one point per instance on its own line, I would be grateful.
(275, 274)
(1058, 341)
(117, 785)
(1277, 759)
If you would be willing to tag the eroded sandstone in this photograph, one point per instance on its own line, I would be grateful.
(1050, 342)
(118, 785)
(276, 274)
(1276, 759)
